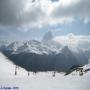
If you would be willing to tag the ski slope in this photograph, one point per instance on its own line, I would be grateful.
(40, 81)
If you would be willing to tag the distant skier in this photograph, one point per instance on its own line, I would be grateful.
(54, 74)
(81, 72)
(16, 70)
(28, 73)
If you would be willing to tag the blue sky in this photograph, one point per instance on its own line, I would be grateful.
(77, 28)
(24, 20)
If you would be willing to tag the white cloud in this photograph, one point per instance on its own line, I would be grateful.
(19, 13)
(67, 3)
(77, 9)
(74, 41)
(24, 13)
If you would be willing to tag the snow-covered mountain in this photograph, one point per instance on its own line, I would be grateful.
(34, 55)
(34, 46)
(46, 46)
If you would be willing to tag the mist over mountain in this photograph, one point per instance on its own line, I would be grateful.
(48, 36)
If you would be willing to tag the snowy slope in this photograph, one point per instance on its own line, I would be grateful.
(7, 68)
(40, 81)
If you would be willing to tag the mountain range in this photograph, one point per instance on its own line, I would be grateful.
(36, 56)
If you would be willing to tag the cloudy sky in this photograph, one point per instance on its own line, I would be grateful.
(31, 19)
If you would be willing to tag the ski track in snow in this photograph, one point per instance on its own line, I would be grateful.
(40, 81)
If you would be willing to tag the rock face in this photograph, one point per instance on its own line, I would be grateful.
(38, 56)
